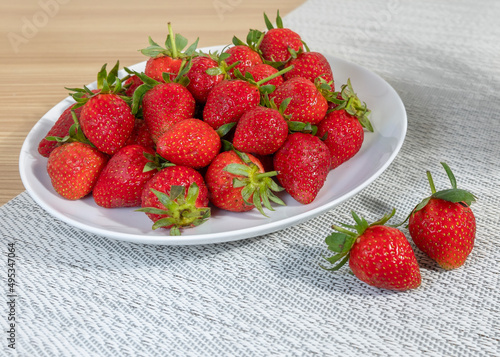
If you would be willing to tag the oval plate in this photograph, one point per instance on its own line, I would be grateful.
(378, 151)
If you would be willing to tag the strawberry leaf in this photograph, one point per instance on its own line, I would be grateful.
(192, 193)
(152, 210)
(269, 24)
(267, 89)
(223, 130)
(238, 169)
(191, 50)
(339, 242)
(237, 42)
(176, 191)
(214, 71)
(453, 181)
(180, 42)
(422, 204)
(336, 258)
(175, 231)
(279, 21)
(455, 195)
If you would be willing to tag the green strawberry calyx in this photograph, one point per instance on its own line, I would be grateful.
(348, 100)
(180, 209)
(107, 83)
(254, 38)
(258, 187)
(453, 194)
(223, 68)
(174, 45)
(293, 126)
(155, 162)
(75, 133)
(149, 83)
(342, 241)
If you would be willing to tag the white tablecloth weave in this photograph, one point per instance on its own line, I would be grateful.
(85, 295)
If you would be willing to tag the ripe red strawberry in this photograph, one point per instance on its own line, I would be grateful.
(344, 135)
(106, 118)
(303, 164)
(262, 71)
(260, 131)
(237, 182)
(230, 99)
(378, 255)
(140, 135)
(245, 55)
(107, 121)
(163, 104)
(276, 42)
(167, 59)
(201, 78)
(59, 129)
(307, 104)
(131, 84)
(310, 65)
(74, 168)
(176, 197)
(190, 142)
(121, 182)
(443, 226)
(343, 127)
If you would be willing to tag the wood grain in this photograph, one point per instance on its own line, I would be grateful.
(51, 44)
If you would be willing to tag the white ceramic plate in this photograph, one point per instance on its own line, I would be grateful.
(378, 151)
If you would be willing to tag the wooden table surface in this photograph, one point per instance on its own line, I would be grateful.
(47, 45)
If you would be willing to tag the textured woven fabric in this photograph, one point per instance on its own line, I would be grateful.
(84, 295)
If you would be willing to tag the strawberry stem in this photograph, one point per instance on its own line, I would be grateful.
(172, 40)
(266, 174)
(274, 75)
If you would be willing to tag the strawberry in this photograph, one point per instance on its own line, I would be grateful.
(167, 59)
(140, 135)
(176, 197)
(121, 181)
(307, 105)
(230, 99)
(344, 136)
(107, 122)
(260, 131)
(243, 54)
(74, 168)
(237, 182)
(131, 84)
(302, 163)
(203, 75)
(106, 118)
(59, 129)
(378, 255)
(310, 65)
(163, 104)
(190, 142)
(343, 127)
(276, 43)
(262, 71)
(443, 225)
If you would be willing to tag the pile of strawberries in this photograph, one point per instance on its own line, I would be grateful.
(228, 129)
(231, 129)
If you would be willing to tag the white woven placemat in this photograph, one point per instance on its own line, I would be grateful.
(84, 295)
